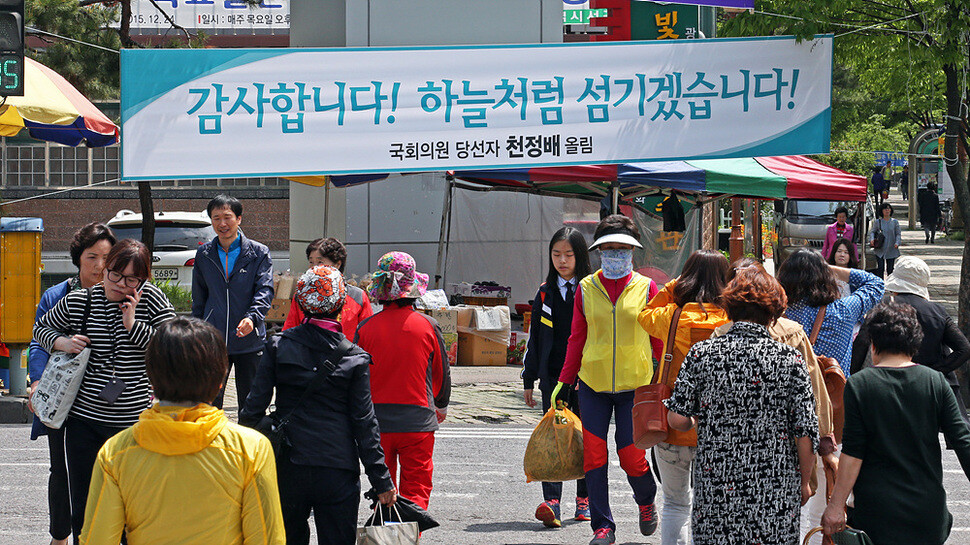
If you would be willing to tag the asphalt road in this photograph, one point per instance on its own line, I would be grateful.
(480, 494)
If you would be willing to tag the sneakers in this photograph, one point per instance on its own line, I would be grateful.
(582, 508)
(548, 513)
(648, 519)
(603, 536)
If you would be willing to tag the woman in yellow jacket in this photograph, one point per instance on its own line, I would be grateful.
(184, 474)
(611, 356)
(697, 293)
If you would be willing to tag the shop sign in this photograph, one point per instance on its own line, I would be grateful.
(211, 15)
(227, 113)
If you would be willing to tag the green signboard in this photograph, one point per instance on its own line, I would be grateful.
(581, 16)
(653, 21)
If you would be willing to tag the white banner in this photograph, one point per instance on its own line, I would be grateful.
(289, 112)
(271, 15)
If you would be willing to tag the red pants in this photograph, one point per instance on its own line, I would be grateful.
(413, 452)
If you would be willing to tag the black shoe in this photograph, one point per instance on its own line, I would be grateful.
(603, 536)
(648, 519)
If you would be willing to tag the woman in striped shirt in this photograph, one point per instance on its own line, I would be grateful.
(124, 311)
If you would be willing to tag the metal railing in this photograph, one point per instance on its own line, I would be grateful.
(47, 165)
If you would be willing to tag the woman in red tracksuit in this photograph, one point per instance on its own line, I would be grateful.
(406, 348)
(332, 253)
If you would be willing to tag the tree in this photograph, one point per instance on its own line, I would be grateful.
(879, 38)
(94, 72)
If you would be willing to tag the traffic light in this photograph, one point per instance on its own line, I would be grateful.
(11, 48)
(617, 22)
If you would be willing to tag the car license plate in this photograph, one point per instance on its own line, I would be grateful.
(165, 273)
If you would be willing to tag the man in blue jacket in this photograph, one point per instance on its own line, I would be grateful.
(232, 288)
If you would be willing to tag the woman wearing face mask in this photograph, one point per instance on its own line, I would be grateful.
(612, 356)
(89, 248)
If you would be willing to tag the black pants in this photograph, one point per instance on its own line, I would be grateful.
(553, 490)
(82, 441)
(884, 266)
(58, 493)
(332, 494)
(245, 365)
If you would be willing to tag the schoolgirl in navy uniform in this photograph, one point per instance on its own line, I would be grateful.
(552, 314)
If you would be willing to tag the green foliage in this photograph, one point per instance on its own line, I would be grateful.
(181, 298)
(873, 133)
(958, 235)
(94, 72)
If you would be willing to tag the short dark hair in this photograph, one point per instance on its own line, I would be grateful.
(402, 302)
(807, 277)
(130, 251)
(754, 296)
(221, 201)
(842, 210)
(88, 236)
(882, 207)
(702, 279)
(616, 223)
(330, 248)
(186, 360)
(894, 329)
(853, 259)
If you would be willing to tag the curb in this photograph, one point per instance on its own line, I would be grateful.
(13, 410)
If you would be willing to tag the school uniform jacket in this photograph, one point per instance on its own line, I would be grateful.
(537, 364)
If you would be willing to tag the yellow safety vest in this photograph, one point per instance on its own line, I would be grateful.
(617, 355)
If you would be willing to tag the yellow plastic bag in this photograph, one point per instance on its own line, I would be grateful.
(555, 450)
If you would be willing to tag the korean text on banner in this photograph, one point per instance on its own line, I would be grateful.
(191, 113)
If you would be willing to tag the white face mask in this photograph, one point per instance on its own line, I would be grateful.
(616, 263)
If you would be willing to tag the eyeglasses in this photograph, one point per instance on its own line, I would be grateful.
(130, 281)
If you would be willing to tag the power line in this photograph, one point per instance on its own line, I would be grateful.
(847, 25)
(58, 36)
(41, 196)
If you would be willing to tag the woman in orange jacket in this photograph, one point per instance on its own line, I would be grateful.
(696, 293)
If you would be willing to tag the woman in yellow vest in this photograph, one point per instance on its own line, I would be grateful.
(611, 355)
(697, 292)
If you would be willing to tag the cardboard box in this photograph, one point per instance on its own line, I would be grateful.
(284, 288)
(447, 319)
(476, 290)
(476, 350)
(278, 311)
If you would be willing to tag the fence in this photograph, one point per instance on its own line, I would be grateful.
(41, 165)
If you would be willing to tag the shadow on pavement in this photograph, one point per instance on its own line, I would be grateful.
(509, 526)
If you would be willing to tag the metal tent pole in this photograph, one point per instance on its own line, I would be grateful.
(445, 224)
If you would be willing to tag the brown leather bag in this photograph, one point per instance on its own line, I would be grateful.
(834, 379)
(649, 413)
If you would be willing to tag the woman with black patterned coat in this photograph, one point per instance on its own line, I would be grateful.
(751, 400)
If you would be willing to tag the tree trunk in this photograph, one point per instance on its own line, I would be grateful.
(147, 214)
(124, 29)
(958, 174)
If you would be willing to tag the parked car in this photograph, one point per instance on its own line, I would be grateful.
(178, 236)
(802, 224)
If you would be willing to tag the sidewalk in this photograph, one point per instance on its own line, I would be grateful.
(479, 395)
(944, 257)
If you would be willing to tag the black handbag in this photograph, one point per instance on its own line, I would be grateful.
(878, 238)
(273, 425)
